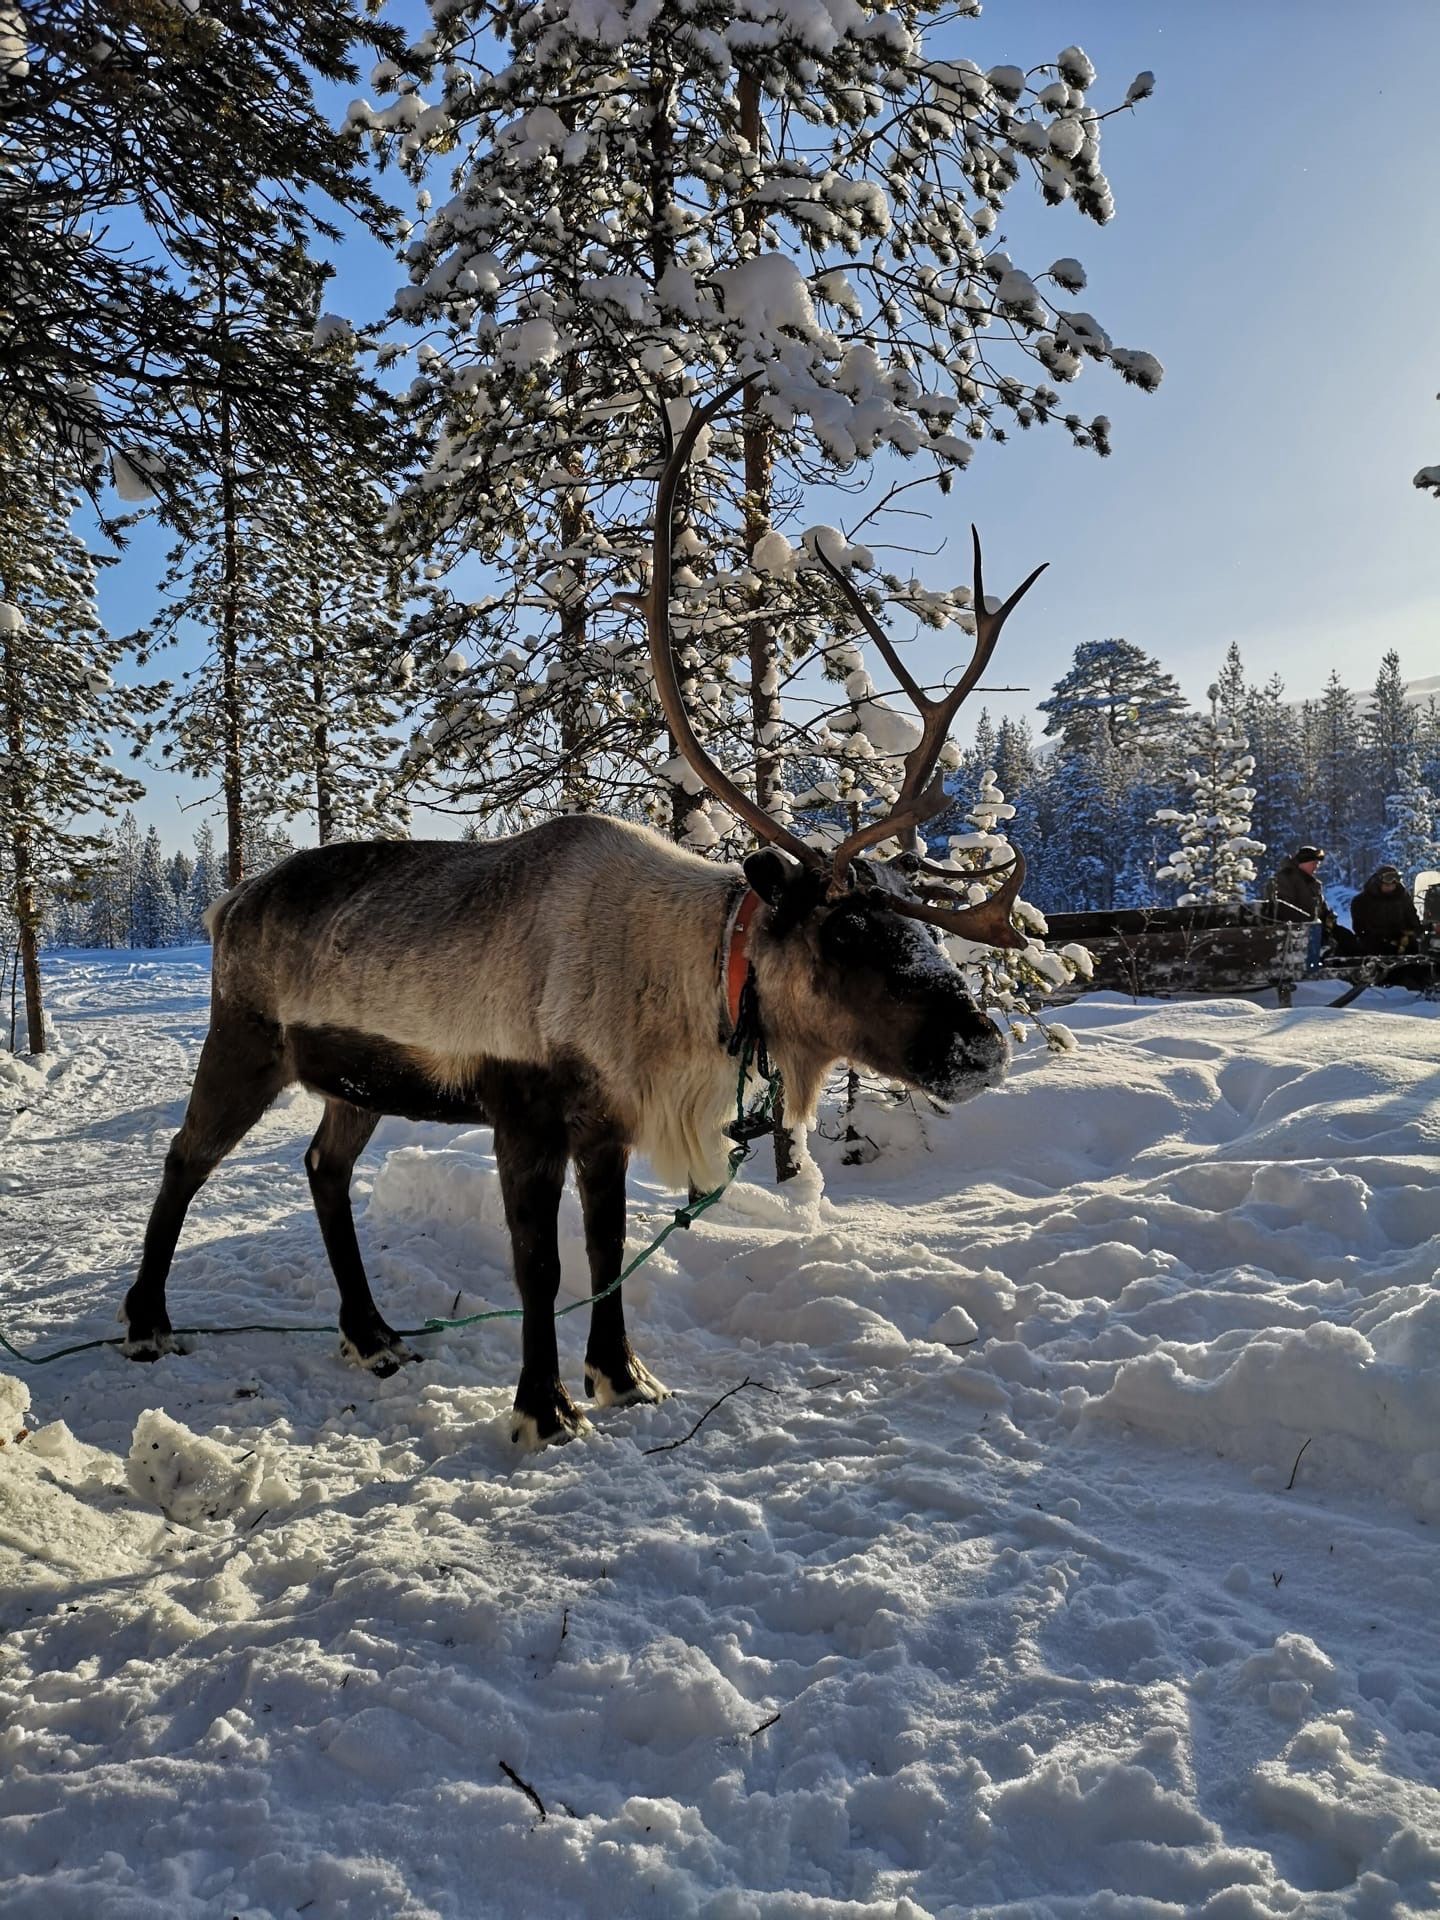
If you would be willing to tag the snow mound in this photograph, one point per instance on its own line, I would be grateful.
(192, 1479)
(1321, 1385)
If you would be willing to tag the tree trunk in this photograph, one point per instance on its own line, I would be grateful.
(759, 454)
(575, 790)
(320, 739)
(231, 703)
(662, 253)
(230, 698)
(787, 1163)
(27, 915)
(758, 444)
(27, 909)
(851, 1156)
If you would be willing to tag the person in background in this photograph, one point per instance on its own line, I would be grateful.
(1383, 914)
(1430, 912)
(1295, 893)
(1296, 885)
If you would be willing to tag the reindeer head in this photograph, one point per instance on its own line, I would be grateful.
(854, 976)
(840, 956)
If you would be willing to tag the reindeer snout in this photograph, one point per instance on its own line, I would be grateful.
(959, 1052)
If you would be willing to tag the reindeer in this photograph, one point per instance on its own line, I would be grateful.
(576, 987)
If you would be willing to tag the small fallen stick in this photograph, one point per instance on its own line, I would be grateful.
(669, 1446)
(525, 1788)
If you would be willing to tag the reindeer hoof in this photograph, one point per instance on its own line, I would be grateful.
(150, 1346)
(546, 1419)
(381, 1353)
(633, 1384)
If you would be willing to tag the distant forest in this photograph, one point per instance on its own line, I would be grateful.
(1121, 750)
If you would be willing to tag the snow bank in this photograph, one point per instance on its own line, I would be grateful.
(1322, 1386)
(14, 1399)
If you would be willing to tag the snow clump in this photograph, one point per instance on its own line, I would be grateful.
(192, 1479)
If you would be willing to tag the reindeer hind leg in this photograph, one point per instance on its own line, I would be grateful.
(242, 1068)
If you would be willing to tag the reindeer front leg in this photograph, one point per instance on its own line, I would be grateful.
(614, 1377)
(531, 1155)
(365, 1337)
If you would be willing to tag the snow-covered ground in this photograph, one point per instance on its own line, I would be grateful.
(997, 1589)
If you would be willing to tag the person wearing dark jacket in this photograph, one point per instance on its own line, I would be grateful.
(1296, 887)
(1383, 914)
(1295, 893)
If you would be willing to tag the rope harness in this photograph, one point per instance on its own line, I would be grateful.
(746, 1043)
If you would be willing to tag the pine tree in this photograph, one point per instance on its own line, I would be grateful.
(265, 846)
(1120, 719)
(1388, 734)
(1215, 859)
(287, 577)
(1015, 768)
(107, 920)
(321, 655)
(179, 872)
(1273, 728)
(1412, 834)
(575, 280)
(126, 846)
(58, 704)
(1335, 768)
(1427, 741)
(167, 115)
(1076, 853)
(1117, 696)
(66, 917)
(1232, 693)
(206, 881)
(152, 921)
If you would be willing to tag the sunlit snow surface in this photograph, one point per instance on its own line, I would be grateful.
(1029, 1626)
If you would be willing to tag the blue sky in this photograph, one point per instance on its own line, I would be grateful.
(1277, 245)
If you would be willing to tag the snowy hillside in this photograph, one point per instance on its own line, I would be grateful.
(1068, 1547)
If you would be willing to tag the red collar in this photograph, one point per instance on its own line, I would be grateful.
(735, 953)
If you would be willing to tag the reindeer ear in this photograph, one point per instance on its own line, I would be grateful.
(770, 873)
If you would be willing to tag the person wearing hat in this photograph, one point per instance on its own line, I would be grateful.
(1295, 893)
(1383, 914)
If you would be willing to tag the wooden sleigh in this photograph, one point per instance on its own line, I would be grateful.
(1157, 952)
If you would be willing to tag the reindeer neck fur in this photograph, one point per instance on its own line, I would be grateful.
(667, 1030)
(651, 919)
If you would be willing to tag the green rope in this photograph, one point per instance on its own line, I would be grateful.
(745, 1126)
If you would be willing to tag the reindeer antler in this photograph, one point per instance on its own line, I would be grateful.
(987, 922)
(922, 792)
(662, 645)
